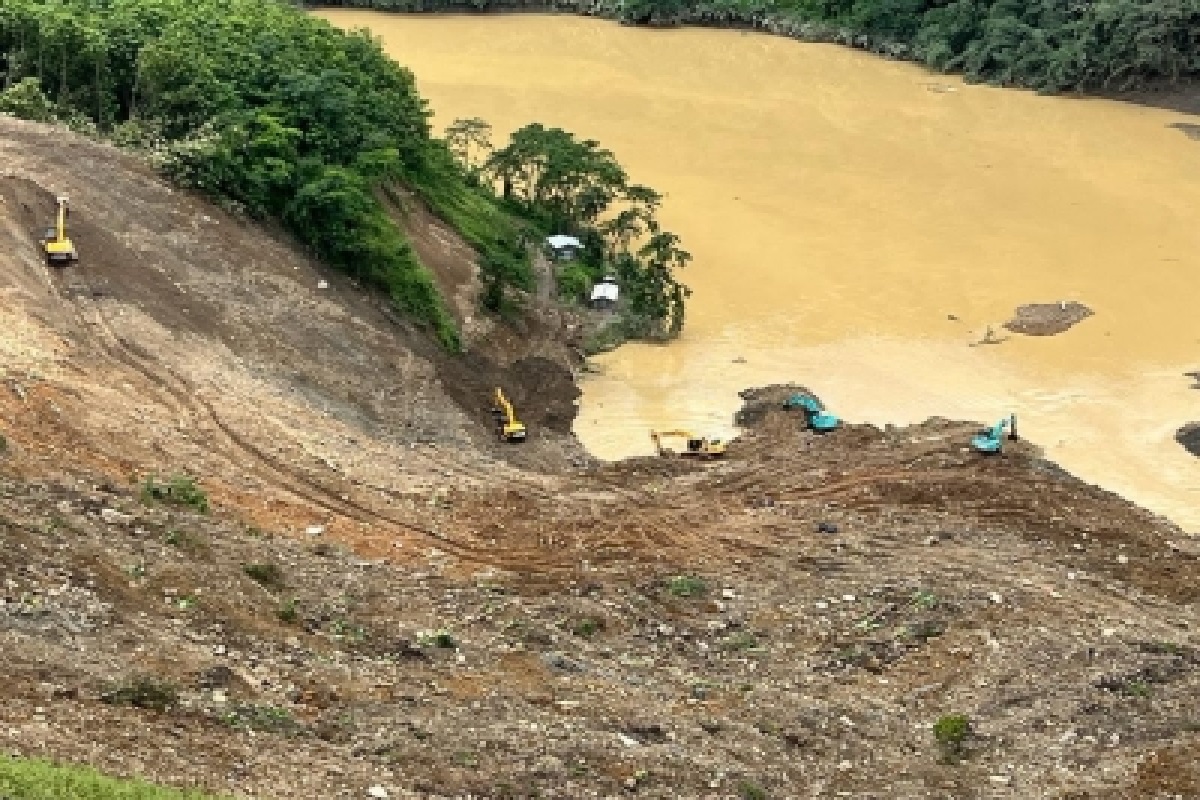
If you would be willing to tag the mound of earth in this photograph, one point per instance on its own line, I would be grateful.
(1047, 319)
(1189, 437)
(382, 595)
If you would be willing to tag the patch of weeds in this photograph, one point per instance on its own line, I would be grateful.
(269, 576)
(136, 571)
(951, 732)
(267, 719)
(186, 602)
(751, 791)
(143, 692)
(289, 610)
(588, 627)
(740, 641)
(178, 490)
(467, 759)
(442, 638)
(687, 586)
(3, 444)
(1136, 689)
(926, 601)
(347, 630)
(174, 538)
(1162, 648)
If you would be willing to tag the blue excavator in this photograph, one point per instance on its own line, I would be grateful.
(816, 417)
(991, 440)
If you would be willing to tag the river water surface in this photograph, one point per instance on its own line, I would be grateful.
(858, 224)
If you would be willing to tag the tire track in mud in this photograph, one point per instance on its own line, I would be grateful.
(179, 395)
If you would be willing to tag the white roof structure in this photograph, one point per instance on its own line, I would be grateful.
(559, 242)
(605, 291)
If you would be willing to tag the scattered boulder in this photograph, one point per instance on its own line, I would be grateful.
(1047, 319)
(1189, 437)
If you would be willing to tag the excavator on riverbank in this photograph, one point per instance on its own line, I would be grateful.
(59, 248)
(509, 428)
(991, 440)
(817, 418)
(695, 447)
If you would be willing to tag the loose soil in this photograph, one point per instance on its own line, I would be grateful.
(454, 617)
(1047, 319)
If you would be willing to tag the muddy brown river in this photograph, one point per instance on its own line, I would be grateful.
(858, 224)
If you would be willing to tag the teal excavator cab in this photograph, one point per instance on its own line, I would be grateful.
(816, 417)
(991, 440)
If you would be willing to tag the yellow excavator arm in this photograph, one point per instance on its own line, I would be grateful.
(510, 428)
(59, 248)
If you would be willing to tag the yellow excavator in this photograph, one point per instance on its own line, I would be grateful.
(697, 446)
(58, 246)
(508, 426)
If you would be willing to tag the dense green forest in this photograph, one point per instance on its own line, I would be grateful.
(280, 115)
(1050, 45)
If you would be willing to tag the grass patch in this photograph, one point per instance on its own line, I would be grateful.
(37, 779)
(740, 641)
(178, 490)
(687, 586)
(266, 719)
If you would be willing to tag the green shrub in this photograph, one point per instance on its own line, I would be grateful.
(751, 791)
(588, 627)
(270, 576)
(687, 586)
(289, 611)
(951, 731)
(179, 490)
(24, 99)
(574, 283)
(143, 692)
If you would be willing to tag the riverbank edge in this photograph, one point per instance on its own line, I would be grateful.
(1182, 97)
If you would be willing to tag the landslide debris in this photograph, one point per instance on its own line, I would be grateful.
(1047, 319)
(381, 598)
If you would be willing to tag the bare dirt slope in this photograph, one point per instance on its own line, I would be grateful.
(438, 616)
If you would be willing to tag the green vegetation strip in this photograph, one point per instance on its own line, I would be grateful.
(36, 779)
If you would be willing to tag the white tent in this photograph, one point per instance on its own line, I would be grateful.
(560, 242)
(605, 294)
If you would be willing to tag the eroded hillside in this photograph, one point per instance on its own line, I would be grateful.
(382, 596)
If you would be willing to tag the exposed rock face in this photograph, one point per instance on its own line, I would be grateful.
(1047, 319)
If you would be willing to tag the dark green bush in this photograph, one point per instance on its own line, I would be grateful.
(270, 576)
(179, 490)
(143, 692)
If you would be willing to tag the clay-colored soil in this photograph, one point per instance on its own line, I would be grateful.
(848, 589)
